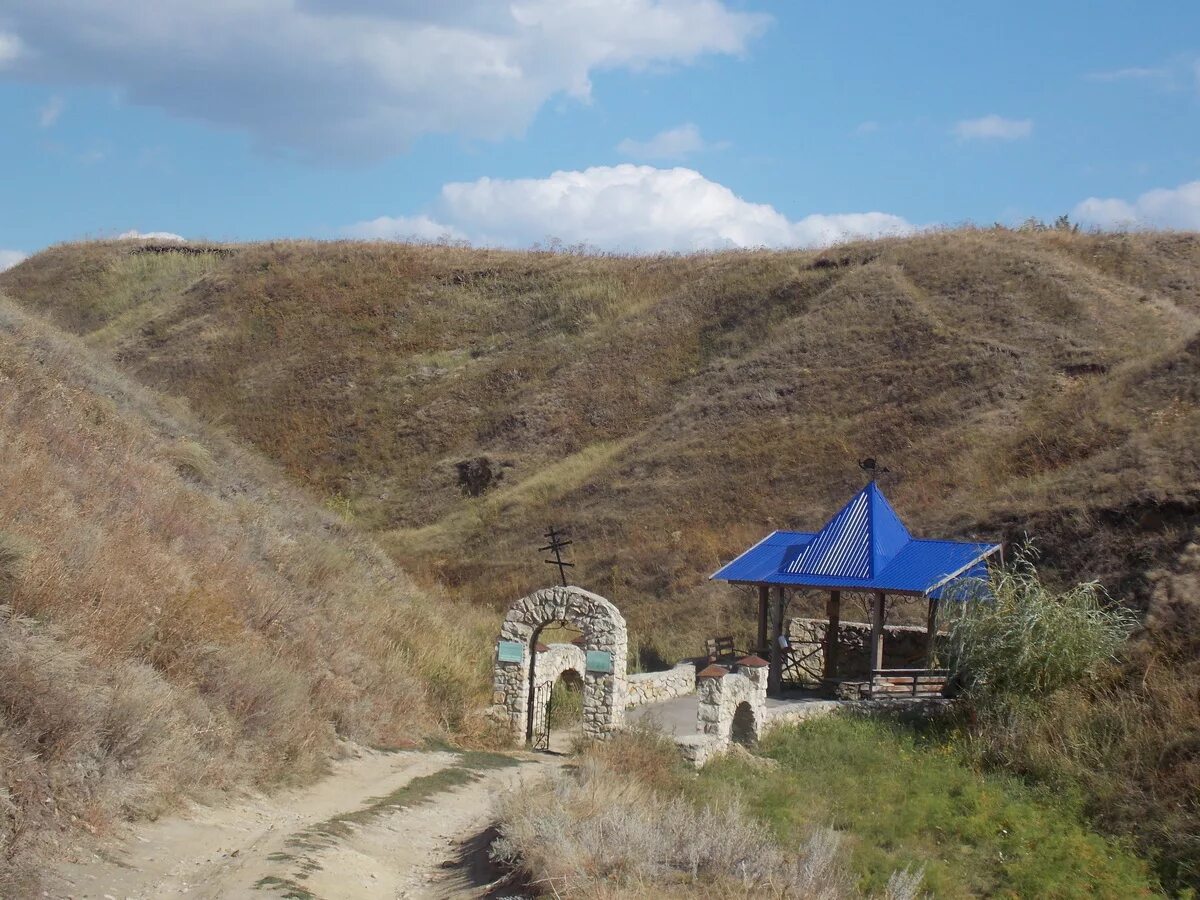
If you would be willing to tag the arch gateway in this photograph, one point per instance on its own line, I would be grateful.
(519, 667)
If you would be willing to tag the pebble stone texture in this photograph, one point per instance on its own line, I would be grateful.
(720, 697)
(655, 687)
(603, 628)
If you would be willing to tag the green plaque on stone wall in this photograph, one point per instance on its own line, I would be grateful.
(599, 661)
(510, 651)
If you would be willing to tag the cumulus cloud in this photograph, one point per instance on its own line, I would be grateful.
(150, 236)
(1177, 207)
(674, 143)
(993, 128)
(625, 207)
(410, 228)
(9, 258)
(362, 78)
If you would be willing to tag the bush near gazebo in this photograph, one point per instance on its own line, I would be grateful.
(1028, 640)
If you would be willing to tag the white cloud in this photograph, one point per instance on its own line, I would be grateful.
(674, 143)
(49, 113)
(993, 128)
(625, 207)
(412, 228)
(9, 258)
(135, 235)
(10, 49)
(1131, 73)
(1162, 208)
(1179, 73)
(864, 128)
(362, 78)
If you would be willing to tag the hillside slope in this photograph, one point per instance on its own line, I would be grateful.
(669, 410)
(175, 618)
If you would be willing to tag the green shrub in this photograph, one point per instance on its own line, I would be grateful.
(1030, 640)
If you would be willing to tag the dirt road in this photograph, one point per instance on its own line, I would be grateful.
(381, 825)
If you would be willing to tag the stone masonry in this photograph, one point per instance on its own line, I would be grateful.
(654, 687)
(555, 659)
(728, 695)
(603, 629)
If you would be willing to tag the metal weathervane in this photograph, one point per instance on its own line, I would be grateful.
(556, 546)
(872, 468)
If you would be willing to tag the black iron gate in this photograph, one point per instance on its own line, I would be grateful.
(541, 702)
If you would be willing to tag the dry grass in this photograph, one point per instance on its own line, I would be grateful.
(175, 619)
(616, 827)
(670, 410)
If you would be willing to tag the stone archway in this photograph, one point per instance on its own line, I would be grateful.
(605, 650)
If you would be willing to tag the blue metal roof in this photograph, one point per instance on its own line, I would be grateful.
(864, 547)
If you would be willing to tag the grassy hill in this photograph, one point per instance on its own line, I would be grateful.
(670, 410)
(446, 404)
(176, 619)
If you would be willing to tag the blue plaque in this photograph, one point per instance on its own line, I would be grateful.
(510, 651)
(599, 661)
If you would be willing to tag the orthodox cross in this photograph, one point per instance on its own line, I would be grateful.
(556, 546)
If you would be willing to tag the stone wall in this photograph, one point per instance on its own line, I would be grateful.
(654, 687)
(904, 646)
(603, 629)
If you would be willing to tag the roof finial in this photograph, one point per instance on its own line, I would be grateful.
(873, 468)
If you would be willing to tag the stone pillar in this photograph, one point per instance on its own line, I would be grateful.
(708, 699)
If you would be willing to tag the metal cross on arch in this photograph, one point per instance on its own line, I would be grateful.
(556, 546)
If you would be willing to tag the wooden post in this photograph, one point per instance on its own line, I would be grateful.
(775, 674)
(833, 610)
(931, 633)
(878, 611)
(764, 594)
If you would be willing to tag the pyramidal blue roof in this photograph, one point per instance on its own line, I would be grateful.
(863, 547)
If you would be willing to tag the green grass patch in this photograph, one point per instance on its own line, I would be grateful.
(904, 802)
(418, 790)
(285, 887)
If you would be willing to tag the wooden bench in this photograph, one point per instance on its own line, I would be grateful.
(721, 648)
(913, 682)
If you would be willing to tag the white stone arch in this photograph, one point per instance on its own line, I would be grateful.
(722, 692)
(603, 630)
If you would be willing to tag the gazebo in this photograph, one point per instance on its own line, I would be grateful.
(864, 548)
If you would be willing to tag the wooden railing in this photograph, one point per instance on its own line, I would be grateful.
(915, 682)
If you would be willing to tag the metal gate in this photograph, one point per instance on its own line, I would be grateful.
(541, 701)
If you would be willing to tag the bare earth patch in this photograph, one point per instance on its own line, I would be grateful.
(406, 824)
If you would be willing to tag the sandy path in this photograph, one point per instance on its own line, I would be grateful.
(381, 825)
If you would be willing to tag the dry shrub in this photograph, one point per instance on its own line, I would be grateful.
(581, 833)
(619, 824)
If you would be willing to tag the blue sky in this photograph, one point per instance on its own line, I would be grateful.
(624, 124)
